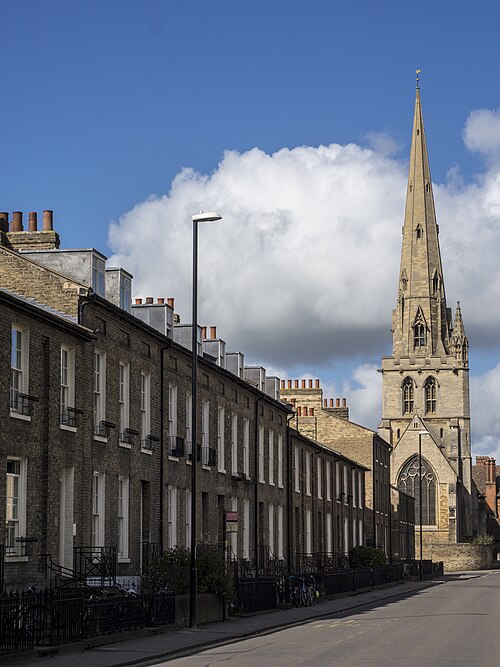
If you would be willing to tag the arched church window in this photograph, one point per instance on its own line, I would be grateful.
(411, 480)
(430, 390)
(408, 396)
(419, 339)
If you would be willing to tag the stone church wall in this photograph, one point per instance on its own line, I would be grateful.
(465, 556)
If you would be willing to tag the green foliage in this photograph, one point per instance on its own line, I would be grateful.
(482, 539)
(172, 570)
(367, 557)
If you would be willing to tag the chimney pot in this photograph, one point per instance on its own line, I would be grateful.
(296, 384)
(213, 333)
(317, 384)
(310, 384)
(331, 402)
(32, 222)
(337, 402)
(149, 299)
(305, 412)
(204, 333)
(344, 402)
(161, 300)
(289, 384)
(311, 412)
(138, 302)
(17, 221)
(325, 402)
(4, 221)
(299, 411)
(303, 384)
(282, 384)
(171, 301)
(48, 222)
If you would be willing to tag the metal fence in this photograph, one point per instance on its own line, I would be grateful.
(52, 617)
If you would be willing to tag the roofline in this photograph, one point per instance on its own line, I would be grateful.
(325, 448)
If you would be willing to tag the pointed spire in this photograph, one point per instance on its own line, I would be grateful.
(421, 274)
(459, 340)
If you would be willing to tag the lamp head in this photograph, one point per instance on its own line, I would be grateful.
(206, 217)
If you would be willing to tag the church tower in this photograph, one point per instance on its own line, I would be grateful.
(425, 383)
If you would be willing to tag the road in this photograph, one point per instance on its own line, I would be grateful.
(454, 623)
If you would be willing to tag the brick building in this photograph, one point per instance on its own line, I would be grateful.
(95, 441)
(327, 421)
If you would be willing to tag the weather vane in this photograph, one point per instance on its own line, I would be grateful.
(417, 72)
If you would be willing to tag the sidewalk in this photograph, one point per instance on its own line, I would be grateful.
(148, 646)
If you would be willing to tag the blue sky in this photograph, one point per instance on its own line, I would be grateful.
(104, 103)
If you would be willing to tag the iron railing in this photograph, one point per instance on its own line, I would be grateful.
(97, 565)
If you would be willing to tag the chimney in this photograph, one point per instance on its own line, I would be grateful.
(344, 402)
(138, 302)
(331, 402)
(204, 333)
(337, 402)
(299, 411)
(316, 382)
(4, 222)
(17, 221)
(213, 333)
(303, 384)
(161, 301)
(32, 222)
(310, 384)
(149, 299)
(289, 384)
(282, 384)
(48, 222)
(305, 412)
(296, 384)
(325, 402)
(170, 302)
(311, 412)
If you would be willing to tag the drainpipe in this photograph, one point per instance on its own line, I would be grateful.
(83, 303)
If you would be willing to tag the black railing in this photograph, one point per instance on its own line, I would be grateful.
(150, 551)
(127, 436)
(96, 565)
(208, 456)
(22, 403)
(176, 445)
(68, 416)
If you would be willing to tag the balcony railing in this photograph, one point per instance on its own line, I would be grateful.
(22, 403)
(176, 446)
(69, 416)
(95, 564)
(148, 443)
(208, 456)
(127, 436)
(102, 429)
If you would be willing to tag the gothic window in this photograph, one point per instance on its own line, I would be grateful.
(410, 480)
(408, 395)
(435, 282)
(430, 390)
(419, 232)
(419, 335)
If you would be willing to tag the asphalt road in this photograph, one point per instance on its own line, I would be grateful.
(454, 623)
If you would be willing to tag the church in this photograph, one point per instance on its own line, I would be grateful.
(425, 382)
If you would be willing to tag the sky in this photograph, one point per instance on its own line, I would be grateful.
(293, 121)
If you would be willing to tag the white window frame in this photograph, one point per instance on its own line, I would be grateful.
(246, 529)
(328, 473)
(98, 508)
(125, 292)
(123, 399)
(308, 474)
(308, 532)
(353, 485)
(98, 275)
(360, 531)
(15, 508)
(262, 478)
(346, 484)
(221, 423)
(172, 410)
(189, 418)
(280, 461)
(280, 553)
(319, 477)
(171, 516)
(123, 519)
(99, 392)
(205, 424)
(187, 518)
(329, 533)
(270, 455)
(67, 393)
(234, 443)
(270, 529)
(246, 446)
(296, 457)
(233, 537)
(145, 405)
(360, 488)
(19, 364)
(337, 481)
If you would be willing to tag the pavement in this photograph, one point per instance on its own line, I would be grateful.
(153, 645)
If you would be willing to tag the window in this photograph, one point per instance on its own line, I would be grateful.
(172, 410)
(220, 439)
(308, 532)
(98, 510)
(319, 473)
(234, 444)
(360, 489)
(410, 480)
(145, 406)
(328, 475)
(419, 337)
(345, 489)
(261, 454)
(280, 532)
(99, 392)
(280, 461)
(246, 446)
(189, 417)
(205, 413)
(353, 487)
(271, 530)
(98, 269)
(337, 480)
(308, 474)
(123, 518)
(125, 292)
(346, 536)
(123, 400)
(271, 458)
(296, 467)
(430, 391)
(233, 536)
(171, 516)
(67, 413)
(246, 528)
(187, 521)
(19, 369)
(15, 509)
(408, 394)
(329, 533)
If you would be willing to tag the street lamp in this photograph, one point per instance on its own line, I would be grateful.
(193, 575)
(420, 434)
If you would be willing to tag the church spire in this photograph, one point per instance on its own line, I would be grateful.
(422, 322)
(459, 340)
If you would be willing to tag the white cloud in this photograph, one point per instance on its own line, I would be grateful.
(485, 413)
(482, 131)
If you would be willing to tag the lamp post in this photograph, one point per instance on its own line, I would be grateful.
(193, 574)
(420, 434)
